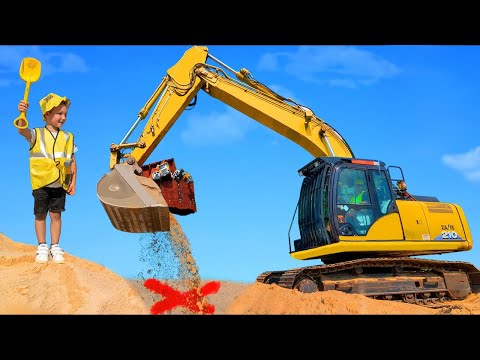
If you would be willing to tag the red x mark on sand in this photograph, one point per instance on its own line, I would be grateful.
(192, 299)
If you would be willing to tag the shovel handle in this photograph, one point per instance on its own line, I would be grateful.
(22, 113)
(21, 117)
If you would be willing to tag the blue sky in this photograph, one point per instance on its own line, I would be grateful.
(410, 106)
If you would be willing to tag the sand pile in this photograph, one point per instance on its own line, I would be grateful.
(82, 287)
(271, 299)
(76, 287)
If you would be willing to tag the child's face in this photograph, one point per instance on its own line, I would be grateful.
(57, 116)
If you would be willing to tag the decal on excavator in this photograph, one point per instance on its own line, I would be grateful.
(448, 233)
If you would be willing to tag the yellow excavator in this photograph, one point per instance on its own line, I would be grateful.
(355, 215)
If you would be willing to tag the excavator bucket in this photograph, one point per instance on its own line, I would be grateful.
(142, 203)
(133, 203)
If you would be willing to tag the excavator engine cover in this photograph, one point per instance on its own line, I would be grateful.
(141, 204)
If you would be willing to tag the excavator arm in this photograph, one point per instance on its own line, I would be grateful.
(135, 201)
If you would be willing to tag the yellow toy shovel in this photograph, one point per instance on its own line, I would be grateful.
(30, 70)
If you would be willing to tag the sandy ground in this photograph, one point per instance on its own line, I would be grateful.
(83, 287)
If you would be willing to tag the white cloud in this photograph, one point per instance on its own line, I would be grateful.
(467, 163)
(11, 57)
(51, 62)
(347, 66)
(65, 63)
(348, 83)
(270, 61)
(473, 175)
(283, 91)
(216, 128)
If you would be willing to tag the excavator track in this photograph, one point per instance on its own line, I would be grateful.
(422, 282)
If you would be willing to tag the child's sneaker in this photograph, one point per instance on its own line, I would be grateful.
(57, 254)
(42, 254)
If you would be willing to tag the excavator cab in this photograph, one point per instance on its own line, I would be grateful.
(358, 213)
(353, 198)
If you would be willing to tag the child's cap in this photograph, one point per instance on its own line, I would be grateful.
(52, 100)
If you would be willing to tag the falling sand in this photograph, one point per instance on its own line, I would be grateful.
(170, 257)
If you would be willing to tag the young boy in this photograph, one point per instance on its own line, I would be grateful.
(53, 171)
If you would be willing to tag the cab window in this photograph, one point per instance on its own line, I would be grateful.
(355, 213)
(352, 187)
(382, 188)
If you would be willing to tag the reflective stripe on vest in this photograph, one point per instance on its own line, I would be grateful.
(48, 156)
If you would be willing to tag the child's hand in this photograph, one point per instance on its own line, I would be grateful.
(71, 189)
(23, 106)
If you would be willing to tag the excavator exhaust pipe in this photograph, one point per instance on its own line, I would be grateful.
(133, 203)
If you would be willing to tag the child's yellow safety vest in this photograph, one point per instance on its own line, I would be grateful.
(48, 156)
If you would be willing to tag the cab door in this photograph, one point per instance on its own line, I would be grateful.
(364, 205)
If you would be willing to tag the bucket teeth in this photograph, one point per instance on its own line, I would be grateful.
(133, 203)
